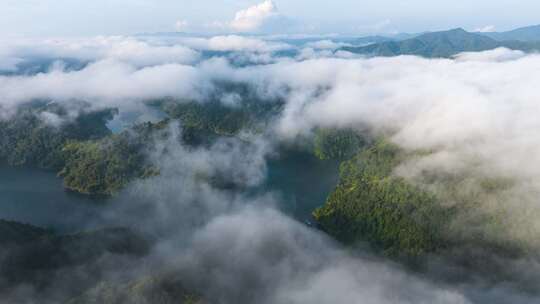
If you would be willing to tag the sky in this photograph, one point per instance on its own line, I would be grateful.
(38, 18)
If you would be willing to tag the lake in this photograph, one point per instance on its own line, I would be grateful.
(303, 181)
(38, 197)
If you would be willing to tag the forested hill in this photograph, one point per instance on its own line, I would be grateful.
(528, 33)
(443, 44)
(93, 161)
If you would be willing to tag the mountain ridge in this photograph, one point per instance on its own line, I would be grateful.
(525, 34)
(442, 44)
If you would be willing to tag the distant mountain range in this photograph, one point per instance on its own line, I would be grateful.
(340, 39)
(443, 44)
(446, 44)
(526, 34)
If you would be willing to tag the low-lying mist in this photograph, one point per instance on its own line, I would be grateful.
(470, 124)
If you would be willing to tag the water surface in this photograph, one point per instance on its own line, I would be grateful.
(38, 197)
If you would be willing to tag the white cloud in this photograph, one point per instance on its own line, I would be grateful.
(283, 261)
(485, 29)
(104, 83)
(496, 55)
(260, 18)
(257, 254)
(253, 18)
(143, 54)
(478, 114)
(125, 49)
(140, 52)
(234, 43)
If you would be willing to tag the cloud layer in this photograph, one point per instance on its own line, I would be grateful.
(477, 114)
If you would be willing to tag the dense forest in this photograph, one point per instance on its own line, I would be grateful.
(394, 215)
(31, 138)
(93, 161)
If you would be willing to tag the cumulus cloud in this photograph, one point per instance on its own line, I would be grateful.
(260, 18)
(253, 18)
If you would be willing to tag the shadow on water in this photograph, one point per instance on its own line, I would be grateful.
(303, 181)
(38, 197)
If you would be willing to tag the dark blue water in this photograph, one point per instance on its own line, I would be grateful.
(303, 182)
(38, 197)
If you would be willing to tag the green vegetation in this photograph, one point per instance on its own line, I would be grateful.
(432, 45)
(409, 218)
(372, 205)
(336, 144)
(215, 118)
(90, 159)
(202, 122)
(104, 167)
(93, 161)
(26, 140)
(405, 219)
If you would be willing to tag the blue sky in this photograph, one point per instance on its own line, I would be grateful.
(84, 17)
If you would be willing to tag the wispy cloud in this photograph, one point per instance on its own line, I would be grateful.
(486, 29)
